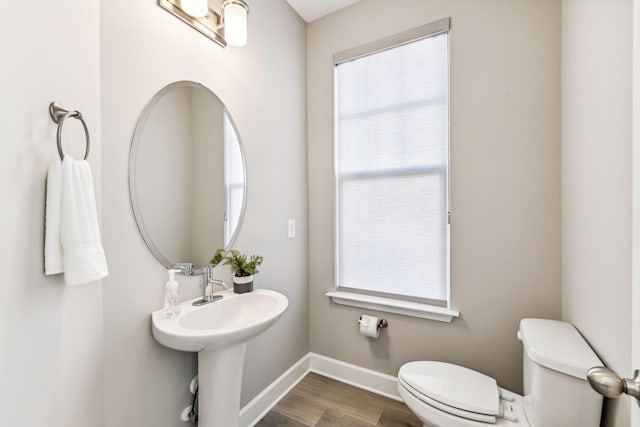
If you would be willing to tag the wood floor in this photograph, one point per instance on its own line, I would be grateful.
(318, 401)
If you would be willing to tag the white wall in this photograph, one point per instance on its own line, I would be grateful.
(596, 180)
(50, 334)
(263, 85)
(505, 183)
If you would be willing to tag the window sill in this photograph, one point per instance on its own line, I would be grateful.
(388, 305)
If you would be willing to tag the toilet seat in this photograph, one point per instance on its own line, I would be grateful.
(453, 389)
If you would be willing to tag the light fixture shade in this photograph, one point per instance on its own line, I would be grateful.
(195, 8)
(235, 22)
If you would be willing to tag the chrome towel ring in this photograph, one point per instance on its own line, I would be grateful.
(59, 115)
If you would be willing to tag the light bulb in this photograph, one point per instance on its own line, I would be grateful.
(235, 24)
(195, 8)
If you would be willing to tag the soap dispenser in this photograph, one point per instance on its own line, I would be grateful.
(171, 298)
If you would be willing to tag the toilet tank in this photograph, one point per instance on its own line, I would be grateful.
(555, 363)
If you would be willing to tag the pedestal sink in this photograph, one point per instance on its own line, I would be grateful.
(219, 332)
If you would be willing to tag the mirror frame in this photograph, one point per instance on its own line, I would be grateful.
(133, 155)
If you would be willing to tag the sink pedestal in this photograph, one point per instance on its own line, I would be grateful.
(219, 383)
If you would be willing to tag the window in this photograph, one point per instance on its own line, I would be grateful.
(391, 167)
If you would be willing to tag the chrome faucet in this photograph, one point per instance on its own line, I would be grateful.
(207, 291)
(187, 268)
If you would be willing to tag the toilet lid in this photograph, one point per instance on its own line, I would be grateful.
(454, 386)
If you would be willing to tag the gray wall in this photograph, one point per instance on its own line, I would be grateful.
(50, 334)
(505, 183)
(596, 180)
(263, 85)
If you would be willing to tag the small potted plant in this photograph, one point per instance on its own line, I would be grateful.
(242, 268)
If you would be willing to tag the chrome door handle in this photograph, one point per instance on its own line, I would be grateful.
(609, 384)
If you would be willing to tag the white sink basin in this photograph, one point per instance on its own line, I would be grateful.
(234, 319)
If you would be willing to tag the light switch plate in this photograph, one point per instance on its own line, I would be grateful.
(291, 228)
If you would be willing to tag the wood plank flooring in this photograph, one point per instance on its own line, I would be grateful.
(317, 401)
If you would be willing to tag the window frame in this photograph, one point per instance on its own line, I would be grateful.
(381, 300)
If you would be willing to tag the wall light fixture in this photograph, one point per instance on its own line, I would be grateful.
(195, 8)
(227, 28)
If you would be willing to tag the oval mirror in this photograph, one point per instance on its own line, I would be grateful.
(187, 175)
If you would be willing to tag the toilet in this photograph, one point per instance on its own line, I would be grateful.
(556, 392)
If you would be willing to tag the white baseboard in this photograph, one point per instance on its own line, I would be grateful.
(367, 379)
(258, 407)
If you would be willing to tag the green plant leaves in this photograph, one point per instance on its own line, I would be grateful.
(240, 266)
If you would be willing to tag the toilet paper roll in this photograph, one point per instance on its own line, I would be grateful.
(369, 326)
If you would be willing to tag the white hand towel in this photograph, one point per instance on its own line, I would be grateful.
(83, 258)
(52, 243)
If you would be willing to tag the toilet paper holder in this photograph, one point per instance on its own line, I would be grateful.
(382, 323)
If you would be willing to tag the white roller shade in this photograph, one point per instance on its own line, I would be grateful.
(392, 151)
